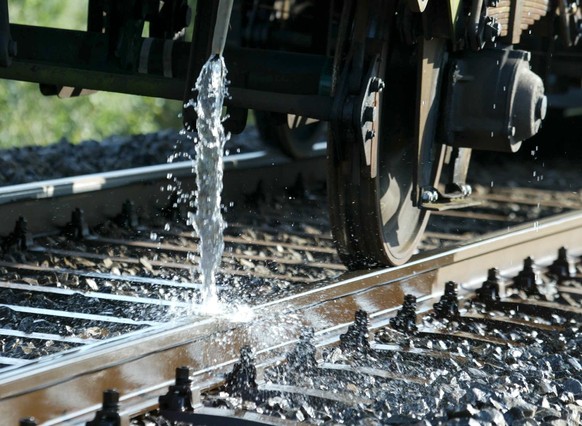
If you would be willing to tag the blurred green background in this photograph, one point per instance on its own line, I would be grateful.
(29, 118)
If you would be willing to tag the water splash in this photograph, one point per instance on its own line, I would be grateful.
(208, 167)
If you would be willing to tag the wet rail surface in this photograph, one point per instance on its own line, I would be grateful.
(96, 303)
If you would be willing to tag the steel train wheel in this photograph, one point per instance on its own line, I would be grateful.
(375, 219)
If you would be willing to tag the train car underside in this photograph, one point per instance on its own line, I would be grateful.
(408, 87)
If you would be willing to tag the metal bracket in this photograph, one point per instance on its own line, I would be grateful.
(456, 192)
(430, 64)
(435, 200)
(458, 160)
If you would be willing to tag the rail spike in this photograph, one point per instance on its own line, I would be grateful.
(19, 239)
(356, 338)
(77, 229)
(527, 279)
(242, 380)
(561, 267)
(448, 306)
(179, 396)
(405, 319)
(109, 413)
(301, 360)
(489, 291)
(127, 218)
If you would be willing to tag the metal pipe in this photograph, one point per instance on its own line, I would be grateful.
(221, 26)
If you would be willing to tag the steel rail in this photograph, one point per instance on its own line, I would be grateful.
(61, 388)
(47, 205)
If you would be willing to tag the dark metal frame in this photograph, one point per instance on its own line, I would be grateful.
(261, 79)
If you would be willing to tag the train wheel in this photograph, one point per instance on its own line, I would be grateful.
(299, 142)
(372, 185)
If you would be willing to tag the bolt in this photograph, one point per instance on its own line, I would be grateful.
(77, 228)
(368, 115)
(21, 231)
(19, 238)
(111, 400)
(109, 413)
(448, 306)
(302, 359)
(356, 338)
(561, 266)
(377, 84)
(183, 376)
(511, 131)
(489, 291)
(241, 381)
(179, 396)
(405, 319)
(429, 196)
(29, 421)
(370, 134)
(527, 280)
(466, 189)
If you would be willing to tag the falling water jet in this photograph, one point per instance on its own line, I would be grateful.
(208, 164)
(208, 168)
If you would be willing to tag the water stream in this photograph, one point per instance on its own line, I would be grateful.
(208, 167)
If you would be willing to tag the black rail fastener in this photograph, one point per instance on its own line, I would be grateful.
(28, 421)
(448, 306)
(257, 197)
(19, 239)
(405, 319)
(179, 396)
(489, 291)
(527, 280)
(77, 229)
(301, 360)
(356, 338)
(109, 413)
(171, 211)
(561, 267)
(242, 380)
(127, 218)
(298, 189)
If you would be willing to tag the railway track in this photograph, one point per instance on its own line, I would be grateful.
(94, 298)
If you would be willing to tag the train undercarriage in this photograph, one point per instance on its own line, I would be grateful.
(407, 87)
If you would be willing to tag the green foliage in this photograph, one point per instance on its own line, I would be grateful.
(29, 118)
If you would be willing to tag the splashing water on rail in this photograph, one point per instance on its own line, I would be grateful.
(208, 167)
